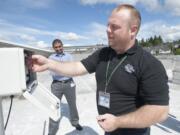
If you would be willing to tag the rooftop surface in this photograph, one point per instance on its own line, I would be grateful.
(26, 119)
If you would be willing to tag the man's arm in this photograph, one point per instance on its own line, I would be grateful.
(145, 116)
(41, 63)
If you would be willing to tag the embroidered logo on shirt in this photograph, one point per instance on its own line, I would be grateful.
(129, 68)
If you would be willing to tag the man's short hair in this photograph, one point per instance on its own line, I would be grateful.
(134, 13)
(55, 41)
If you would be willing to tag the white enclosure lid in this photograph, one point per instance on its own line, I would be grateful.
(41, 97)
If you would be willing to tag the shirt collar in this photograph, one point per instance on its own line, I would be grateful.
(59, 54)
(133, 49)
(130, 51)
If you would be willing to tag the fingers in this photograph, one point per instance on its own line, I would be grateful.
(39, 59)
(35, 59)
(101, 118)
(106, 122)
(37, 68)
(39, 63)
(102, 121)
(35, 56)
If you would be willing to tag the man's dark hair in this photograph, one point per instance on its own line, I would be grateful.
(56, 41)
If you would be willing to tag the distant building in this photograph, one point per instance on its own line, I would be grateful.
(177, 46)
(160, 49)
(83, 48)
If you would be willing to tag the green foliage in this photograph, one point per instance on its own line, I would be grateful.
(152, 41)
(177, 42)
(157, 40)
(177, 51)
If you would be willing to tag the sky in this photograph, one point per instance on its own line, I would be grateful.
(81, 22)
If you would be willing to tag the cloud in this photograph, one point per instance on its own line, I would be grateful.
(98, 29)
(151, 5)
(27, 37)
(98, 32)
(70, 36)
(29, 3)
(41, 44)
(173, 6)
(92, 2)
(37, 3)
(168, 32)
(32, 36)
(2, 37)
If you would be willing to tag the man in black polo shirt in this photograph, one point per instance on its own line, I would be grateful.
(132, 89)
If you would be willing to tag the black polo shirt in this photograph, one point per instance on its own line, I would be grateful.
(140, 80)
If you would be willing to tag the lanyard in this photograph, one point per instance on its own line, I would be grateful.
(110, 76)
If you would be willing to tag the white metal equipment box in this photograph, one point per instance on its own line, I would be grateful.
(17, 78)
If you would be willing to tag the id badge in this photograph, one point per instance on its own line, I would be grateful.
(104, 99)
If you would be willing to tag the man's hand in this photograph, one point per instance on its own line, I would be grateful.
(107, 122)
(143, 117)
(40, 63)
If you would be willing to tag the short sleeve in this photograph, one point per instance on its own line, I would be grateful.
(153, 83)
(90, 63)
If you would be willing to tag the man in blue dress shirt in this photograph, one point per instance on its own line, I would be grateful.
(63, 85)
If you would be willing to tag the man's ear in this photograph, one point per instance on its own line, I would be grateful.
(133, 31)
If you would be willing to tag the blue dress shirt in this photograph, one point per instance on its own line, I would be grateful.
(60, 57)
